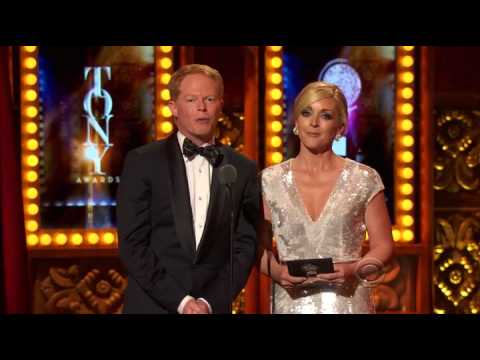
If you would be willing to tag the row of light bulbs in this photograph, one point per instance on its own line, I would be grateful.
(164, 55)
(36, 237)
(30, 138)
(405, 145)
(274, 107)
(274, 125)
(405, 135)
(74, 239)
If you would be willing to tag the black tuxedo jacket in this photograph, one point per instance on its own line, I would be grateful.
(156, 236)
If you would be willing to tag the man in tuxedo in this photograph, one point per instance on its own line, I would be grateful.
(173, 211)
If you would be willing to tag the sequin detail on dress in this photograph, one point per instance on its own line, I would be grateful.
(338, 233)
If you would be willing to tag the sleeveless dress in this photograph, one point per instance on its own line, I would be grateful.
(338, 232)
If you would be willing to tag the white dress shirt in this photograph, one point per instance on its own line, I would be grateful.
(199, 177)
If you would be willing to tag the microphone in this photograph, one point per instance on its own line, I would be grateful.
(228, 177)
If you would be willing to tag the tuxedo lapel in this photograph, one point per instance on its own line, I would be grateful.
(180, 196)
(215, 205)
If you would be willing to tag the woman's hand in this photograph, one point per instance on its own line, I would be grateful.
(343, 272)
(287, 281)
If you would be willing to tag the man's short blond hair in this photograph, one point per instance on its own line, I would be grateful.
(180, 74)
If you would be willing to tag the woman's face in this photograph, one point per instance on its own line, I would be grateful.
(318, 124)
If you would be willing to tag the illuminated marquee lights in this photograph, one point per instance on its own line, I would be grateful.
(404, 145)
(164, 65)
(274, 105)
(30, 143)
(36, 236)
(403, 230)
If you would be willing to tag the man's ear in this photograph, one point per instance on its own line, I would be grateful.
(173, 107)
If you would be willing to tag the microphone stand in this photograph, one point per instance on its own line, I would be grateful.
(228, 176)
(230, 198)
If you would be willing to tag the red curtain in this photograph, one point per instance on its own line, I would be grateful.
(14, 252)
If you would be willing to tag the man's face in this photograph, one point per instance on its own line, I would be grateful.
(197, 107)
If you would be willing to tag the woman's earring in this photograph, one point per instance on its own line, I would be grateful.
(338, 137)
(295, 130)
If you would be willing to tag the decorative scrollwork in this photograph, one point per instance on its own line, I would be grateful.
(456, 257)
(457, 151)
(230, 130)
(95, 293)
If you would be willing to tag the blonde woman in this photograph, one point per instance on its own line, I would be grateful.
(320, 205)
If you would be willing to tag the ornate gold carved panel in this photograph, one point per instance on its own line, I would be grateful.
(457, 151)
(456, 254)
(456, 263)
(78, 287)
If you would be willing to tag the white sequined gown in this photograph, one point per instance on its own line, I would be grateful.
(338, 232)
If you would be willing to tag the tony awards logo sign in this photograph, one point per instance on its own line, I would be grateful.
(97, 105)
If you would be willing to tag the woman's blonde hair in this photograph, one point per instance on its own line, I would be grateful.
(319, 90)
(180, 74)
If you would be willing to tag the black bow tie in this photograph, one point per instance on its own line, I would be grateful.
(210, 152)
